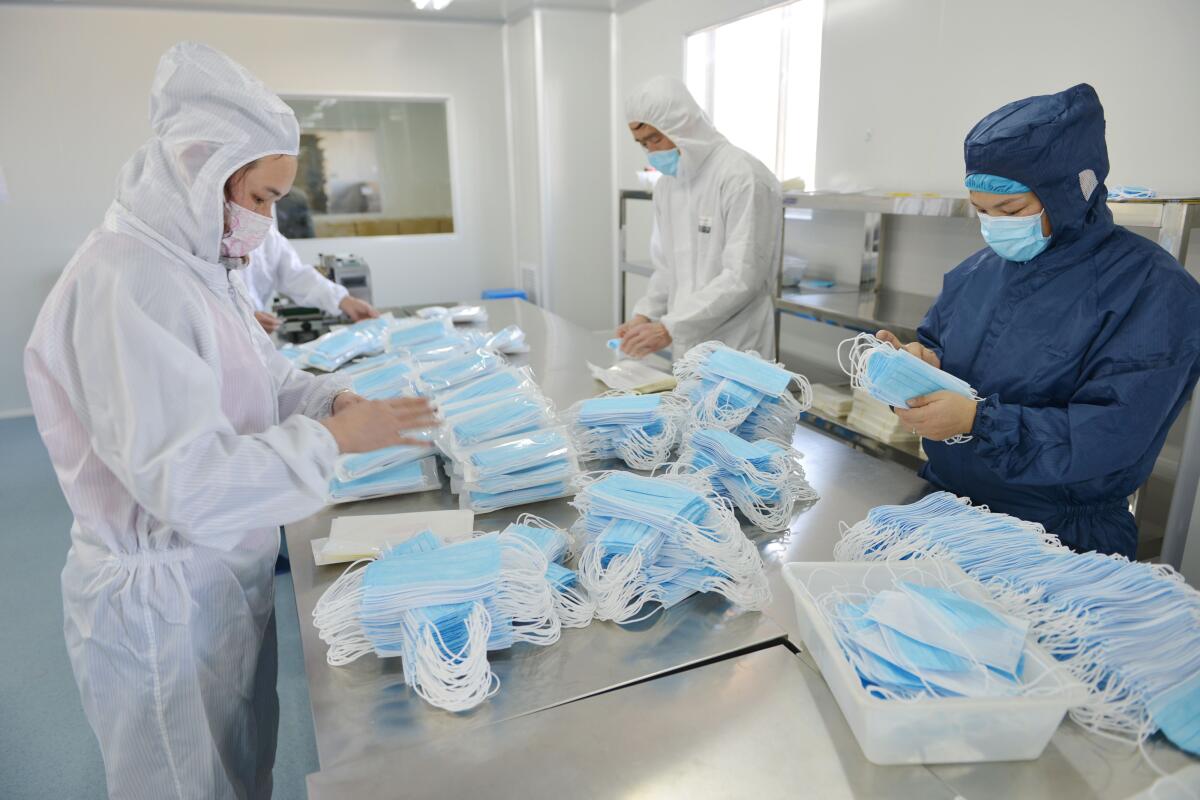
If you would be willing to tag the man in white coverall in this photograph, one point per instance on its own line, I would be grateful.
(716, 239)
(182, 440)
(276, 267)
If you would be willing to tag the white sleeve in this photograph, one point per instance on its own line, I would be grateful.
(156, 420)
(301, 282)
(752, 216)
(654, 303)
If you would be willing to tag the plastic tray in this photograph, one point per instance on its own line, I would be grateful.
(937, 730)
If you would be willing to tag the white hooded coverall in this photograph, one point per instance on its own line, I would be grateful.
(276, 267)
(717, 230)
(181, 440)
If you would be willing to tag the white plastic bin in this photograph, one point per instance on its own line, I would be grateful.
(937, 730)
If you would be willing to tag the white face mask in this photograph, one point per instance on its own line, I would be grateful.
(246, 230)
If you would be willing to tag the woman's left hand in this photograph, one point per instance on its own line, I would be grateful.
(939, 416)
(345, 400)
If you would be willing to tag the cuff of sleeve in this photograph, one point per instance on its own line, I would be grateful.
(334, 385)
(997, 426)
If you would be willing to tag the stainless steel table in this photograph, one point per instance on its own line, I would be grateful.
(365, 707)
(370, 725)
(759, 725)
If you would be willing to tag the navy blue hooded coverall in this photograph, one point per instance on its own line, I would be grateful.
(1084, 355)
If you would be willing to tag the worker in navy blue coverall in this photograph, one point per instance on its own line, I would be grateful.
(1083, 343)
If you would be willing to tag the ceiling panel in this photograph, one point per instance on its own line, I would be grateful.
(459, 10)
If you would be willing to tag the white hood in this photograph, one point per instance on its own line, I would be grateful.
(210, 116)
(665, 103)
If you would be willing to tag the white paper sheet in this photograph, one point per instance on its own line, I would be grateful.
(633, 376)
(354, 537)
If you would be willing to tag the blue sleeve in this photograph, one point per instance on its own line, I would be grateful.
(929, 332)
(1118, 410)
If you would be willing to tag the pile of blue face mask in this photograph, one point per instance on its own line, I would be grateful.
(641, 430)
(571, 602)
(442, 607)
(924, 641)
(384, 473)
(443, 375)
(763, 479)
(503, 443)
(895, 376)
(656, 541)
(444, 348)
(741, 392)
(332, 350)
(412, 332)
(1129, 631)
(390, 380)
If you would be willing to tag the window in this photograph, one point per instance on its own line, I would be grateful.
(369, 167)
(758, 78)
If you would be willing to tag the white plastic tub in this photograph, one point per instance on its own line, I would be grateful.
(937, 730)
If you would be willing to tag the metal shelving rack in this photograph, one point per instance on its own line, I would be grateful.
(874, 306)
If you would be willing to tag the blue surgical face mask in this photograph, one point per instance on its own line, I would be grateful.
(1017, 239)
(665, 161)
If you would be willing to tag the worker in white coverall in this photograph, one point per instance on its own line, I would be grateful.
(275, 266)
(182, 441)
(717, 225)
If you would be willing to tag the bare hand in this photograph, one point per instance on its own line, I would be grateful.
(270, 323)
(346, 399)
(916, 348)
(370, 425)
(646, 339)
(629, 325)
(357, 309)
(939, 416)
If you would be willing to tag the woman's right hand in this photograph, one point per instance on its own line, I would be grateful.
(375, 424)
(916, 348)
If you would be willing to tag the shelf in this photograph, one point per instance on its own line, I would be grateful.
(908, 455)
(867, 309)
(637, 268)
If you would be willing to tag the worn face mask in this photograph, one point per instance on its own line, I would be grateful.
(245, 230)
(665, 161)
(1017, 239)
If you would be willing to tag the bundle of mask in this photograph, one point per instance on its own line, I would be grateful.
(1129, 631)
(459, 369)
(502, 443)
(388, 380)
(926, 641)
(641, 430)
(764, 479)
(741, 392)
(333, 349)
(575, 609)
(443, 348)
(895, 376)
(384, 473)
(412, 332)
(656, 541)
(441, 608)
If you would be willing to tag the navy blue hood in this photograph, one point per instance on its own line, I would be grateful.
(1054, 144)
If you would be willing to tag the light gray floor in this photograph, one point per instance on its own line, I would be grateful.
(47, 749)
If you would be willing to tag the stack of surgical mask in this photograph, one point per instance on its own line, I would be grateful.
(571, 602)
(333, 349)
(442, 607)
(503, 442)
(386, 380)
(384, 473)
(741, 392)
(917, 641)
(764, 479)
(509, 340)
(895, 376)
(641, 430)
(1129, 631)
(656, 541)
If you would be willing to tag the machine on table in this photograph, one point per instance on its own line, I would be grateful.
(304, 323)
